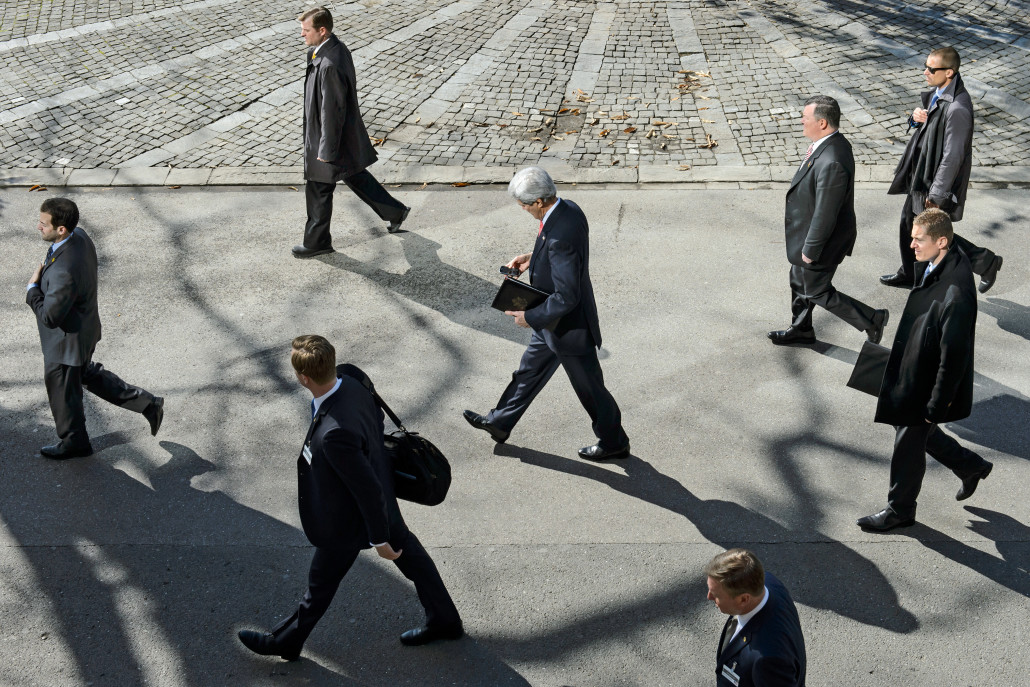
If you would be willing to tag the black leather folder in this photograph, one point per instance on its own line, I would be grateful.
(870, 368)
(517, 295)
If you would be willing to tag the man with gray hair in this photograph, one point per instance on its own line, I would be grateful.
(821, 229)
(565, 327)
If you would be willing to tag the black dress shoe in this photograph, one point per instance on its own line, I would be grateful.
(61, 452)
(264, 643)
(898, 279)
(596, 452)
(302, 252)
(885, 520)
(155, 413)
(792, 335)
(875, 333)
(970, 483)
(988, 278)
(480, 422)
(425, 634)
(396, 226)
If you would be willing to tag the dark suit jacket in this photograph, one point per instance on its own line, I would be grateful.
(65, 303)
(938, 159)
(929, 374)
(820, 214)
(346, 493)
(333, 129)
(770, 650)
(560, 265)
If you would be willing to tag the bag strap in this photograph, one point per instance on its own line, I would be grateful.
(357, 373)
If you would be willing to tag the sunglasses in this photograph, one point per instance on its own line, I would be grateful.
(933, 70)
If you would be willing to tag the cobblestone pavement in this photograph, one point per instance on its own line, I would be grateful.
(468, 89)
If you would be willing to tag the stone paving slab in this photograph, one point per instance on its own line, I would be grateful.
(450, 84)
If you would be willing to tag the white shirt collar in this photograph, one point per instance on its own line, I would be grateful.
(816, 144)
(742, 620)
(318, 401)
(319, 46)
(548, 213)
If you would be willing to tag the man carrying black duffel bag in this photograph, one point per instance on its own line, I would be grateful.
(347, 503)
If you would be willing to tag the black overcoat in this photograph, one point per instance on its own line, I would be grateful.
(929, 373)
(333, 129)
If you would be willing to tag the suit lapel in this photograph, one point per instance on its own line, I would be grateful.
(58, 252)
(807, 164)
(322, 411)
(541, 239)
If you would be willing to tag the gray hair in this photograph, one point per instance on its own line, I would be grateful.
(825, 108)
(532, 184)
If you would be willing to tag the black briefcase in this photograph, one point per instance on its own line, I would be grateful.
(517, 295)
(870, 368)
(421, 473)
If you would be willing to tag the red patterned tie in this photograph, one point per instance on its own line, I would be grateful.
(809, 153)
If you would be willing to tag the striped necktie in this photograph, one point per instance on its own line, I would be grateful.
(809, 153)
(49, 254)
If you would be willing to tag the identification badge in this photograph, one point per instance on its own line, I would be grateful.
(307, 453)
(728, 673)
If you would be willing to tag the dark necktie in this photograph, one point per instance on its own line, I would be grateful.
(312, 409)
(727, 634)
(49, 252)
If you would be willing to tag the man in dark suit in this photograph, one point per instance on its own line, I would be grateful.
(761, 642)
(929, 374)
(63, 294)
(934, 170)
(347, 504)
(566, 331)
(336, 145)
(820, 228)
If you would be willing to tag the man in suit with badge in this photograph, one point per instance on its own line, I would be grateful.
(347, 504)
(821, 229)
(63, 295)
(565, 327)
(336, 144)
(761, 642)
(934, 169)
(929, 375)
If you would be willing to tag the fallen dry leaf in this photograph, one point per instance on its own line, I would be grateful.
(424, 184)
(614, 162)
(545, 149)
(584, 99)
(629, 129)
(501, 126)
(517, 114)
(460, 184)
(558, 138)
(418, 119)
(708, 121)
(575, 110)
(574, 131)
(669, 136)
(703, 97)
(539, 128)
(683, 168)
(535, 138)
(711, 142)
(619, 118)
(650, 134)
(177, 186)
(604, 132)
(702, 108)
(562, 111)
(37, 187)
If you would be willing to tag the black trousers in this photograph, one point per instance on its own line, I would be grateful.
(328, 567)
(980, 258)
(539, 362)
(319, 197)
(64, 390)
(908, 464)
(810, 288)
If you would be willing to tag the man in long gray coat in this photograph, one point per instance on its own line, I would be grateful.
(336, 144)
(934, 170)
(929, 375)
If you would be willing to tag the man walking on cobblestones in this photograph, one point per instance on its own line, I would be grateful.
(821, 228)
(336, 144)
(934, 170)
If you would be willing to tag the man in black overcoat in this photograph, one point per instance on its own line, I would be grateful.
(821, 228)
(565, 328)
(347, 504)
(762, 643)
(934, 170)
(336, 144)
(63, 295)
(929, 375)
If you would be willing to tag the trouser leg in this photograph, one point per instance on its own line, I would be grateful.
(538, 364)
(948, 452)
(818, 289)
(800, 309)
(368, 189)
(980, 258)
(328, 566)
(113, 389)
(64, 391)
(416, 565)
(319, 197)
(908, 256)
(908, 465)
(587, 380)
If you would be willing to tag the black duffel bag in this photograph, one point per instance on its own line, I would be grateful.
(421, 473)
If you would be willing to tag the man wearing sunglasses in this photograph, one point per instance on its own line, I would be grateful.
(934, 170)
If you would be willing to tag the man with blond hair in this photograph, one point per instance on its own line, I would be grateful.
(929, 375)
(762, 642)
(347, 504)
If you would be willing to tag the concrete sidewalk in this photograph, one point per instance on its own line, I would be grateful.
(138, 565)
